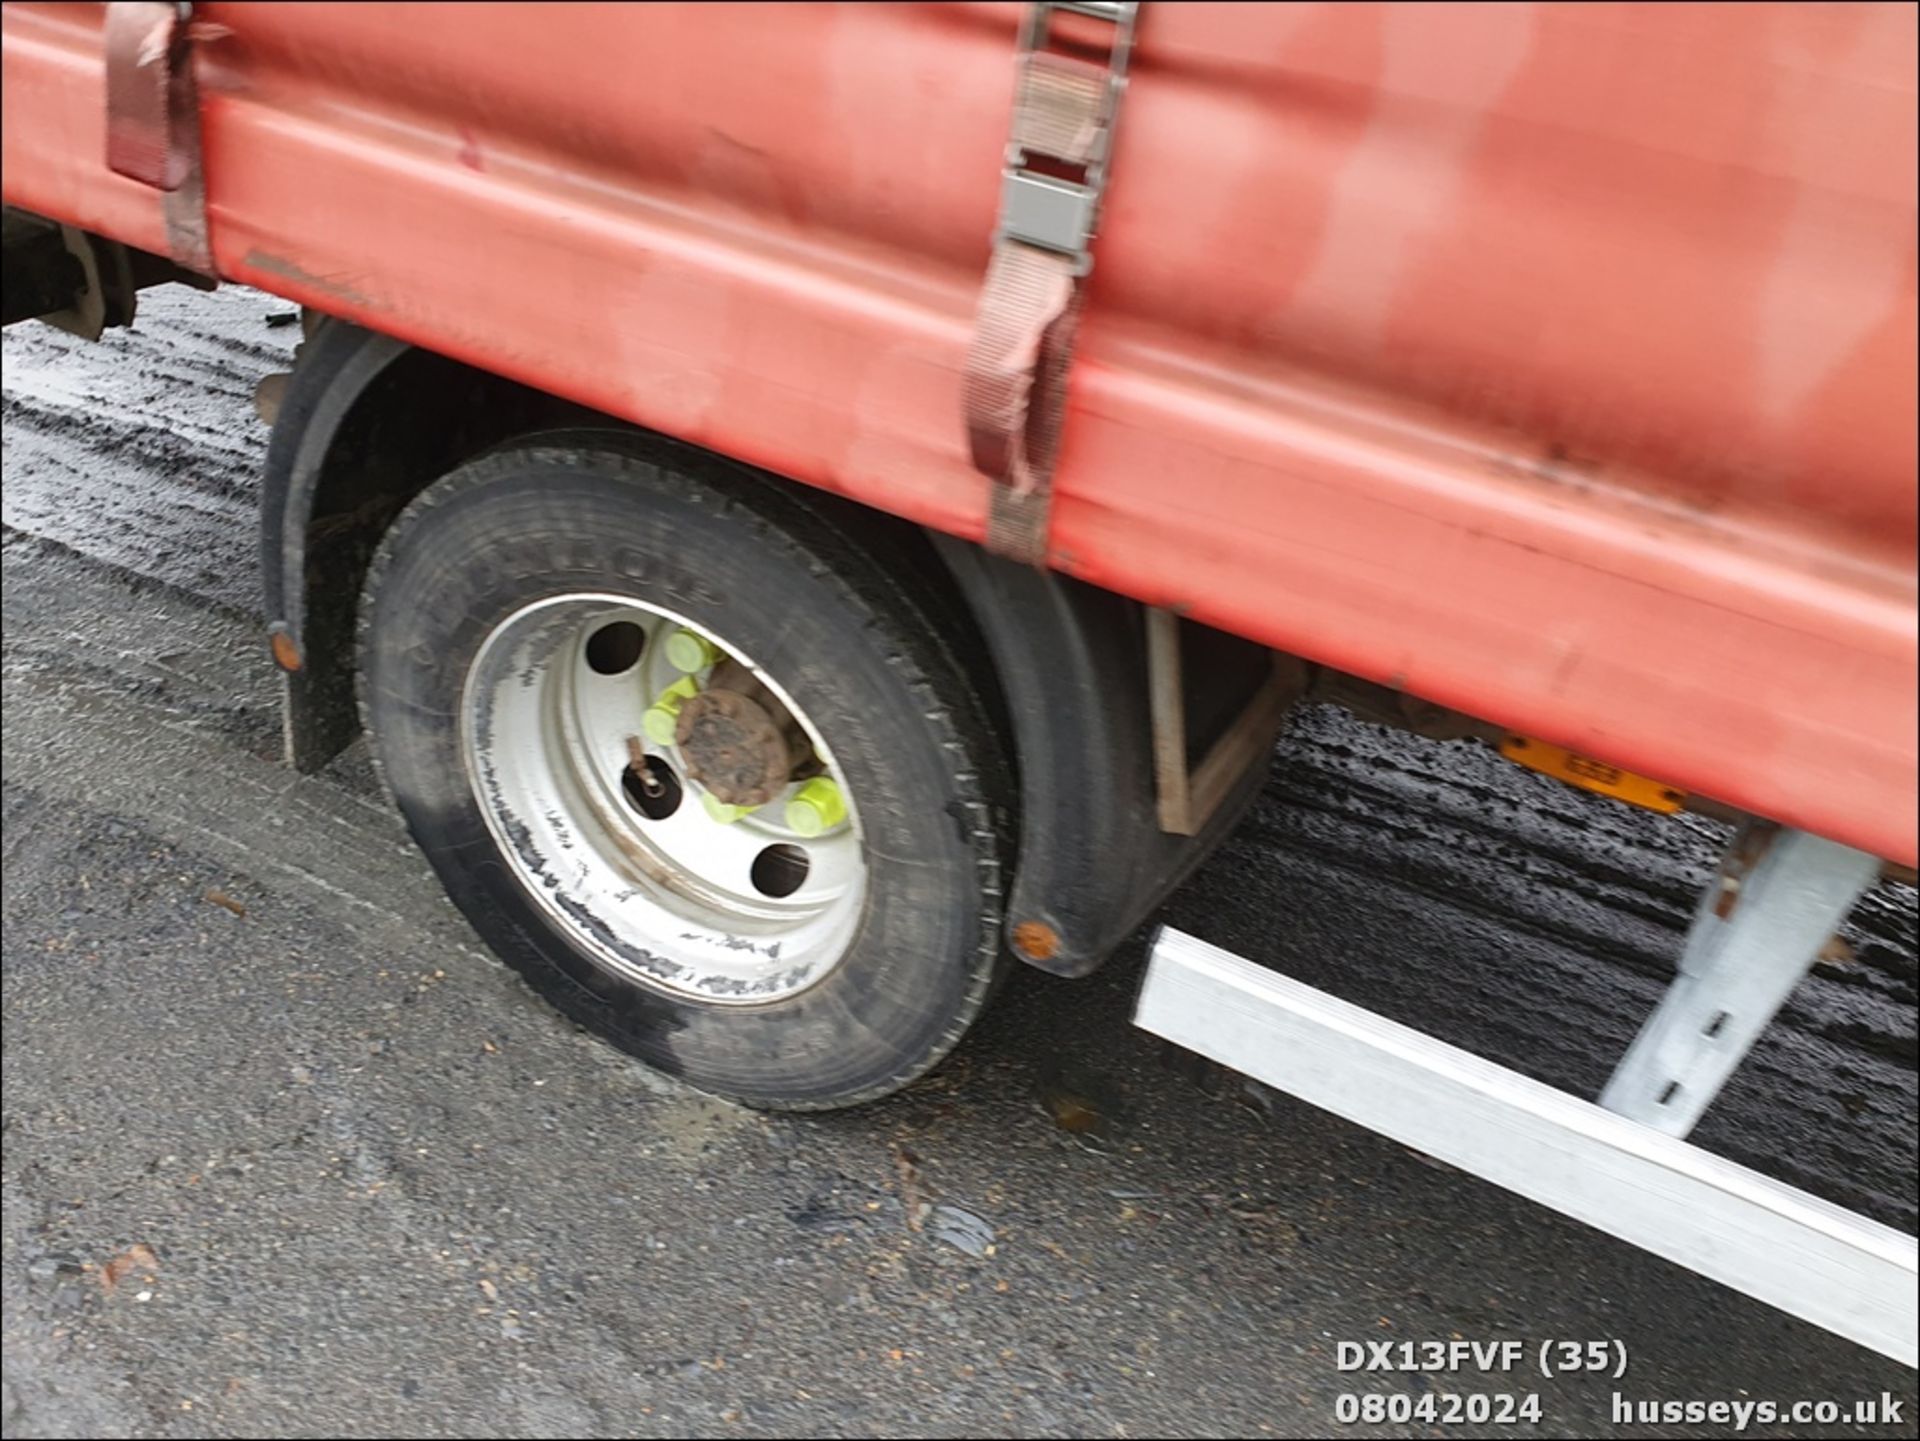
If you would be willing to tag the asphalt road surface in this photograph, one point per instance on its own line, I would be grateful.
(288, 1153)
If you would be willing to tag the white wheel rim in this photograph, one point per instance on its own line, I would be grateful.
(673, 902)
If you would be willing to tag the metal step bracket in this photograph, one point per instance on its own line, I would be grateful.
(1621, 1167)
(1779, 896)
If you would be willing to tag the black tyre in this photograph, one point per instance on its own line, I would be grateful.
(518, 623)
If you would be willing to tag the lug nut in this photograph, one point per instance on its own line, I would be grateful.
(689, 652)
(720, 811)
(663, 716)
(816, 807)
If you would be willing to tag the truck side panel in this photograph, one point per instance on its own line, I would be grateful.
(1554, 363)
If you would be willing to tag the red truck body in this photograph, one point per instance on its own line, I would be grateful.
(1555, 363)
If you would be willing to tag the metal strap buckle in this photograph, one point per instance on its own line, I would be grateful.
(1050, 198)
(1051, 214)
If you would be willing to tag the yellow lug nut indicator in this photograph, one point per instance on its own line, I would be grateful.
(816, 807)
(689, 652)
(663, 716)
(720, 811)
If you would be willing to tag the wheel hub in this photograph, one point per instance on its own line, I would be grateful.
(734, 748)
(716, 853)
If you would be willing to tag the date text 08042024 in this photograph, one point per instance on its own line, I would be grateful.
(1500, 1408)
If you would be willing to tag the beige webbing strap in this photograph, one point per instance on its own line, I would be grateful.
(153, 118)
(1058, 106)
(1016, 378)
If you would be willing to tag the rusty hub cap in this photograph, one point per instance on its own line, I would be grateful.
(734, 748)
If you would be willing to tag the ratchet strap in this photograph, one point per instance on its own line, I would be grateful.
(153, 118)
(1015, 394)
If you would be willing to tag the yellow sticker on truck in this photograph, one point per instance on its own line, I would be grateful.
(1592, 775)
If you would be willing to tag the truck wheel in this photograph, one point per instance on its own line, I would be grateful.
(692, 761)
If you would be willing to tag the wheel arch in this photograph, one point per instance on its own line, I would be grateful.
(1092, 862)
(367, 422)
